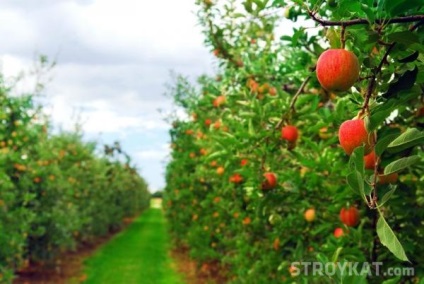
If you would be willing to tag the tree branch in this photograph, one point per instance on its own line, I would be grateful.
(326, 23)
(373, 78)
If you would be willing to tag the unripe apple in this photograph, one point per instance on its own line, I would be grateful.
(309, 215)
(274, 219)
(270, 181)
(289, 133)
(369, 161)
(220, 170)
(324, 134)
(337, 70)
(352, 134)
(349, 216)
(338, 232)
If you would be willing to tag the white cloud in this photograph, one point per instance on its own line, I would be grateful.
(98, 117)
(114, 59)
(152, 154)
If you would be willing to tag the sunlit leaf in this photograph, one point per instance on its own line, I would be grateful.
(401, 164)
(389, 239)
(410, 138)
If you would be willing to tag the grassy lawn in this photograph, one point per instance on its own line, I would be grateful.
(137, 255)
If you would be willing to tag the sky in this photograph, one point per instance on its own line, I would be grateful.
(114, 59)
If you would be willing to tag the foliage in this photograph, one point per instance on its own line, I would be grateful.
(55, 189)
(268, 81)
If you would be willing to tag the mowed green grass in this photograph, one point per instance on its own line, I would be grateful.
(137, 255)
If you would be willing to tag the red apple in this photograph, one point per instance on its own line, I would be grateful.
(349, 216)
(289, 133)
(270, 181)
(208, 122)
(236, 178)
(386, 179)
(369, 161)
(337, 70)
(243, 162)
(218, 101)
(352, 134)
(338, 232)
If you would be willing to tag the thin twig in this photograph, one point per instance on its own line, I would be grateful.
(298, 93)
(292, 109)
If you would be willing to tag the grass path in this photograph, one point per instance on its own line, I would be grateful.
(137, 255)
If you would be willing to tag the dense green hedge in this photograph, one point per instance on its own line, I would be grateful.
(56, 190)
(214, 197)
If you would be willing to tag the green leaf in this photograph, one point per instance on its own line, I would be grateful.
(379, 116)
(410, 58)
(369, 12)
(322, 258)
(389, 239)
(382, 144)
(248, 6)
(333, 38)
(356, 160)
(336, 254)
(410, 138)
(405, 37)
(260, 4)
(405, 82)
(392, 281)
(401, 164)
(356, 182)
(216, 154)
(387, 196)
(395, 8)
